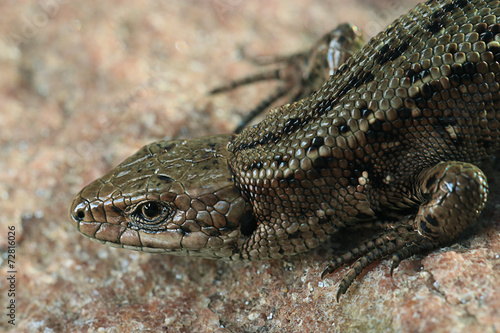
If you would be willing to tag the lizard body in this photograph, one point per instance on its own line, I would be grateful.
(393, 139)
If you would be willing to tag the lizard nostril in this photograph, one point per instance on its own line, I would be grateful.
(80, 214)
(78, 210)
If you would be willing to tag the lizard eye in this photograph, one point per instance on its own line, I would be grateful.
(150, 213)
(151, 210)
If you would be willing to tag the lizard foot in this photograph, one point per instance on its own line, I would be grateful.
(452, 196)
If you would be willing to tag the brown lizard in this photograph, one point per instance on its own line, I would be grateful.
(393, 140)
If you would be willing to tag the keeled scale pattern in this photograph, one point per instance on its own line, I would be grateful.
(425, 90)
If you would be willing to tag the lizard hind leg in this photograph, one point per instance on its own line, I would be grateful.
(453, 195)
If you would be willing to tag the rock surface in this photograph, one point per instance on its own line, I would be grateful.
(84, 84)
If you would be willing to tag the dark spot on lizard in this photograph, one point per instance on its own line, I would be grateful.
(211, 231)
(326, 104)
(469, 68)
(244, 146)
(311, 150)
(318, 141)
(365, 112)
(495, 28)
(426, 91)
(358, 80)
(292, 124)
(321, 163)
(376, 126)
(404, 113)
(449, 7)
(438, 20)
(454, 80)
(341, 69)
(371, 137)
(166, 147)
(423, 227)
(432, 179)
(387, 54)
(248, 223)
(164, 178)
(414, 76)
(344, 129)
(256, 165)
(363, 216)
(455, 4)
(487, 36)
(451, 48)
(487, 33)
(435, 26)
(268, 138)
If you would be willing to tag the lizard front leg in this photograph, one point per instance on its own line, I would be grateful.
(453, 195)
(301, 74)
(457, 193)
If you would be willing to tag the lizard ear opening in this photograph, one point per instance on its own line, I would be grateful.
(248, 223)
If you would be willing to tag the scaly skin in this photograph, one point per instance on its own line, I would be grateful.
(392, 140)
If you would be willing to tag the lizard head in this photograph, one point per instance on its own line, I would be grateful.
(171, 196)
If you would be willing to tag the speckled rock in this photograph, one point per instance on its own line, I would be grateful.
(86, 83)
